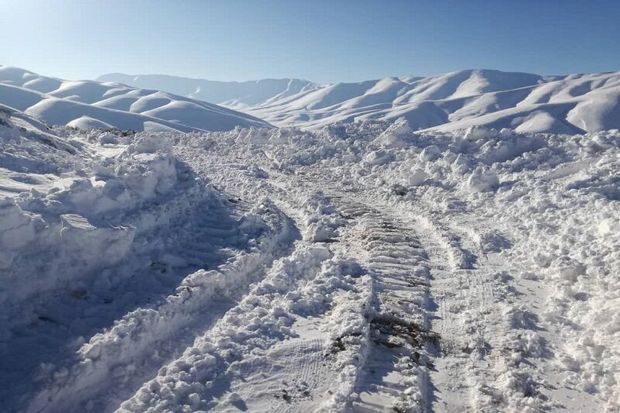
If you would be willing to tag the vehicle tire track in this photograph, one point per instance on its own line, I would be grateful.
(395, 369)
(466, 309)
(308, 371)
(215, 357)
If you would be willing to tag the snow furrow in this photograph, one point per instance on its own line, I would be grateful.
(196, 378)
(139, 342)
(478, 359)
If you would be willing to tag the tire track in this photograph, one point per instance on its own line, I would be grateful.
(466, 311)
(309, 371)
(394, 372)
(256, 323)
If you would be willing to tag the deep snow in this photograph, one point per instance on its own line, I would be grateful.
(357, 267)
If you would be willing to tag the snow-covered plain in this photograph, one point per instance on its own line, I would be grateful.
(355, 267)
(447, 102)
(87, 104)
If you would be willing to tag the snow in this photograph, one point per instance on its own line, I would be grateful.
(362, 266)
(447, 102)
(234, 93)
(89, 104)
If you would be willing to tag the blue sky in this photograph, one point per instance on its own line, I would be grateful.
(324, 41)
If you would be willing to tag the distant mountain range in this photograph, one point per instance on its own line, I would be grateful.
(522, 101)
(232, 93)
(89, 104)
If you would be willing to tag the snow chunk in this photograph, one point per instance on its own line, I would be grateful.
(475, 133)
(397, 135)
(430, 153)
(379, 157)
(480, 181)
(417, 177)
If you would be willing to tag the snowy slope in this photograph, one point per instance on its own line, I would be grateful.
(89, 104)
(452, 101)
(357, 268)
(243, 93)
(528, 103)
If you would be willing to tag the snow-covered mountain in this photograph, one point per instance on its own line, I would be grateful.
(233, 93)
(457, 100)
(88, 104)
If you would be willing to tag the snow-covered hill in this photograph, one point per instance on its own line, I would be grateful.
(233, 93)
(88, 104)
(521, 101)
(360, 267)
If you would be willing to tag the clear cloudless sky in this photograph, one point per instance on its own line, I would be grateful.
(320, 40)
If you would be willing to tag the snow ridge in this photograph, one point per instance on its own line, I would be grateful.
(89, 104)
(447, 102)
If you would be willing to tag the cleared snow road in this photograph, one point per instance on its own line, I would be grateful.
(360, 268)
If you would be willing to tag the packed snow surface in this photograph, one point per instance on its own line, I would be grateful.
(353, 268)
(86, 104)
(449, 102)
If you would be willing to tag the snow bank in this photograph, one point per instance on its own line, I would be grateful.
(122, 347)
(77, 224)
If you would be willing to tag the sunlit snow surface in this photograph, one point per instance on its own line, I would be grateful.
(87, 104)
(359, 267)
(525, 102)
